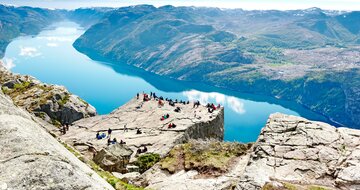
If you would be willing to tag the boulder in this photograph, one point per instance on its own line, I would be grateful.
(113, 158)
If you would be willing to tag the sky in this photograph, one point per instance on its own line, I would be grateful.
(244, 4)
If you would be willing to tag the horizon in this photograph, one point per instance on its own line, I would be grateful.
(344, 5)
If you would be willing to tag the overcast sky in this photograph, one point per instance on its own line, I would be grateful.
(244, 4)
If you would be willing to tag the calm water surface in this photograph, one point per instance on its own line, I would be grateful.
(51, 58)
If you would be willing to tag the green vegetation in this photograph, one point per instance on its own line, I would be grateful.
(290, 186)
(146, 161)
(22, 86)
(316, 188)
(64, 100)
(210, 159)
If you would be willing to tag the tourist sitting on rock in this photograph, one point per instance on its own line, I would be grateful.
(171, 125)
(114, 141)
(171, 103)
(122, 142)
(177, 109)
(138, 132)
(125, 128)
(218, 107)
(188, 102)
(165, 117)
(144, 150)
(138, 151)
(98, 136)
(146, 98)
(160, 103)
(210, 110)
(196, 104)
(213, 107)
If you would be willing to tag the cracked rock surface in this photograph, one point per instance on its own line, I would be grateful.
(32, 159)
(294, 149)
(192, 123)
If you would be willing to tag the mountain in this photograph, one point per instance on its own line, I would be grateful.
(308, 56)
(16, 21)
(86, 16)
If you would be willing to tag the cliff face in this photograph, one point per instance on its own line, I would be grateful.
(32, 159)
(212, 129)
(293, 149)
(50, 102)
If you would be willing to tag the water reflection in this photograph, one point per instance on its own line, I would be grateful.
(235, 104)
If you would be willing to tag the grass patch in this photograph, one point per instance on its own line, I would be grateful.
(22, 86)
(289, 186)
(146, 161)
(64, 100)
(210, 158)
(268, 186)
(316, 188)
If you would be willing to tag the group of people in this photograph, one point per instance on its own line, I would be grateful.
(139, 151)
(171, 125)
(64, 128)
(100, 136)
(166, 116)
(211, 107)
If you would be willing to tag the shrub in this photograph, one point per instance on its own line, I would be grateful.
(146, 161)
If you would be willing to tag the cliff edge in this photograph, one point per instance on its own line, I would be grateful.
(32, 159)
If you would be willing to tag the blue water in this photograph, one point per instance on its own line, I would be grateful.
(51, 58)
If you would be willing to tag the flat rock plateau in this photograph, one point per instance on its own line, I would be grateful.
(191, 123)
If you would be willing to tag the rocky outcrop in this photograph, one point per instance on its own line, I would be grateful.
(50, 102)
(191, 123)
(198, 165)
(32, 159)
(294, 149)
(113, 158)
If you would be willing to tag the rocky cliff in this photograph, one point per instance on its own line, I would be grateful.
(191, 123)
(50, 102)
(291, 153)
(293, 149)
(32, 159)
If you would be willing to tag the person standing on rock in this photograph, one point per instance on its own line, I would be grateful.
(109, 132)
(137, 95)
(67, 126)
